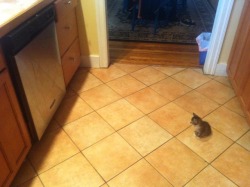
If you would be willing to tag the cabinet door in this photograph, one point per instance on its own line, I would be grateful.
(14, 138)
(239, 62)
(240, 44)
(71, 61)
(66, 31)
(5, 171)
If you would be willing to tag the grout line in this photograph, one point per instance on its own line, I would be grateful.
(93, 168)
(59, 163)
(147, 115)
(124, 169)
(41, 180)
(196, 174)
(223, 175)
(97, 142)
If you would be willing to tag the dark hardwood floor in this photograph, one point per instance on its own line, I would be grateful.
(154, 53)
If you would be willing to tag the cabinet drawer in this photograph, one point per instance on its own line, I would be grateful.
(63, 7)
(71, 61)
(66, 31)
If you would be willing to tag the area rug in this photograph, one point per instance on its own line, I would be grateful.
(119, 25)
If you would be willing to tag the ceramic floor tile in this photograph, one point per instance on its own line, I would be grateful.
(245, 141)
(105, 185)
(120, 113)
(227, 122)
(210, 177)
(234, 105)
(144, 135)
(147, 100)
(52, 149)
(216, 91)
(149, 75)
(140, 174)
(205, 147)
(75, 171)
(200, 71)
(71, 109)
(191, 78)
(168, 70)
(70, 93)
(88, 130)
(53, 125)
(35, 182)
(129, 68)
(172, 118)
(111, 156)
(108, 74)
(126, 85)
(25, 173)
(197, 103)
(234, 163)
(176, 162)
(84, 81)
(99, 96)
(170, 88)
(223, 80)
(81, 73)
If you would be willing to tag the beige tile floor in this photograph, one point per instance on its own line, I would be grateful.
(129, 125)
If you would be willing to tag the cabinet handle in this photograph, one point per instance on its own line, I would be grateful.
(2, 70)
(68, 2)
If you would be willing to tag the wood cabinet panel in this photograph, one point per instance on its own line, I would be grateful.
(242, 73)
(246, 95)
(5, 171)
(71, 61)
(14, 138)
(239, 61)
(239, 42)
(66, 31)
(64, 7)
(10, 130)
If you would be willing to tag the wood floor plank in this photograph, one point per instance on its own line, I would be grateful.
(154, 53)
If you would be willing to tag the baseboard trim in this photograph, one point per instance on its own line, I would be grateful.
(221, 69)
(92, 61)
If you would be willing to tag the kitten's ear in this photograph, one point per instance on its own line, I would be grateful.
(195, 114)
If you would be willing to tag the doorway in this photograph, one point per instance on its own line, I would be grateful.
(218, 33)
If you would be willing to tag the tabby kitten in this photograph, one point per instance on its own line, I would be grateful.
(202, 128)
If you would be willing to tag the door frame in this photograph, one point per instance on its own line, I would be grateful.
(221, 21)
(102, 32)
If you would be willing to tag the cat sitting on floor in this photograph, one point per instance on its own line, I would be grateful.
(202, 128)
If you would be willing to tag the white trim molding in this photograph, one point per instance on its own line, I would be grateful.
(101, 19)
(92, 61)
(221, 69)
(217, 38)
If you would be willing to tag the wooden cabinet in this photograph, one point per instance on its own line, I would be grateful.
(239, 62)
(14, 138)
(67, 34)
(71, 61)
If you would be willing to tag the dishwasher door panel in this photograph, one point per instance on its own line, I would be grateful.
(40, 70)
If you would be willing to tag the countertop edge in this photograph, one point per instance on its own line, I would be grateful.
(24, 16)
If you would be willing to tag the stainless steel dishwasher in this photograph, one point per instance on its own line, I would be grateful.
(35, 67)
